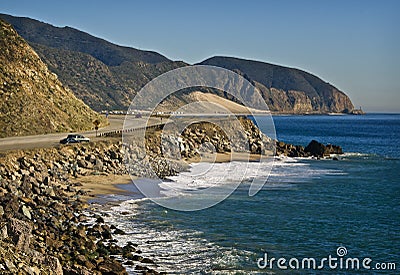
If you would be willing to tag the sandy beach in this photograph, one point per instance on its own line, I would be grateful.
(97, 185)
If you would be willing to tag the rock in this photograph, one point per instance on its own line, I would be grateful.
(24, 172)
(37, 176)
(82, 218)
(26, 212)
(50, 191)
(130, 256)
(106, 234)
(20, 232)
(2, 192)
(119, 231)
(10, 205)
(98, 165)
(76, 270)
(147, 261)
(316, 149)
(111, 267)
(137, 258)
(10, 265)
(3, 232)
(128, 249)
(81, 259)
(46, 180)
(290, 150)
(114, 155)
(85, 164)
(35, 270)
(54, 265)
(334, 149)
(53, 243)
(115, 249)
(26, 185)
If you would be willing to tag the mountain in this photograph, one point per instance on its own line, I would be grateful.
(33, 100)
(104, 75)
(288, 90)
(68, 38)
(107, 76)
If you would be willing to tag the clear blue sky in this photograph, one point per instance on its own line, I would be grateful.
(354, 45)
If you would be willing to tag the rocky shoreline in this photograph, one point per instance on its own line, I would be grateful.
(46, 224)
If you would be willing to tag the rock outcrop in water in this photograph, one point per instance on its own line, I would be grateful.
(317, 149)
(313, 149)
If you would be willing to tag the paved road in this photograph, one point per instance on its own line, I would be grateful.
(116, 123)
(49, 140)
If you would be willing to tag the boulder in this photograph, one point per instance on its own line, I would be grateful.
(10, 205)
(119, 231)
(98, 165)
(54, 265)
(20, 233)
(26, 212)
(111, 267)
(334, 149)
(316, 149)
(3, 232)
(10, 265)
(84, 164)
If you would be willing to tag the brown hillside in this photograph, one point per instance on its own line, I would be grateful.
(32, 99)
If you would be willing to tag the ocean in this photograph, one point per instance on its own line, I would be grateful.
(348, 209)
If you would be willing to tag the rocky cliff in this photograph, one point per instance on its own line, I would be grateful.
(288, 90)
(33, 100)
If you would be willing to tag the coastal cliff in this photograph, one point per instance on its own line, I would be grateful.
(287, 90)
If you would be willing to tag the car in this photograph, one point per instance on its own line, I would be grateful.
(74, 139)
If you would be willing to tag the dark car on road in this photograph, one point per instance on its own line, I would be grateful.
(74, 139)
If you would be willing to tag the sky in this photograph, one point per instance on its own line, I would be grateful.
(353, 44)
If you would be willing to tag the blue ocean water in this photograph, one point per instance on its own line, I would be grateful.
(308, 208)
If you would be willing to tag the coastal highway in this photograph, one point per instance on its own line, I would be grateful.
(50, 140)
